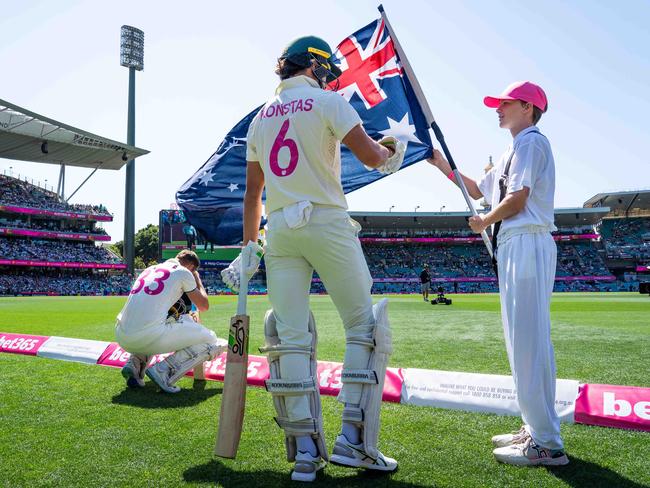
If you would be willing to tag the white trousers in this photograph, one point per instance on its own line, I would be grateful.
(165, 337)
(526, 263)
(328, 243)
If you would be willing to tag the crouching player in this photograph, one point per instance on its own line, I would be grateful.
(146, 327)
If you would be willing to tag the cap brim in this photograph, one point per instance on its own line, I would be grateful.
(493, 102)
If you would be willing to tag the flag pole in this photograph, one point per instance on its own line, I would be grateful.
(419, 95)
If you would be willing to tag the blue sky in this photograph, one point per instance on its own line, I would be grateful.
(207, 64)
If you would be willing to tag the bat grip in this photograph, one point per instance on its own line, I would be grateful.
(243, 280)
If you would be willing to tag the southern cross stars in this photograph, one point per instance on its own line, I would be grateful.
(402, 130)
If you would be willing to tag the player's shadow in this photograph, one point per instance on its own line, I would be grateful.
(215, 471)
(581, 473)
(151, 397)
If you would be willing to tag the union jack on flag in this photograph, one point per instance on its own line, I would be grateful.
(374, 83)
(363, 67)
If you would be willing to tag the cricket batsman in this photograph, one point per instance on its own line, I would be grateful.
(156, 319)
(521, 189)
(293, 151)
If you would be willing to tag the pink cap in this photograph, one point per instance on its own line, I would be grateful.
(520, 90)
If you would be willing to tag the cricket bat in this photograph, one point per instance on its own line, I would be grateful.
(233, 399)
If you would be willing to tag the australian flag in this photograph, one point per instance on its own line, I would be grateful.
(374, 83)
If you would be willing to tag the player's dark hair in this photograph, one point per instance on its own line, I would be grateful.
(188, 257)
(287, 69)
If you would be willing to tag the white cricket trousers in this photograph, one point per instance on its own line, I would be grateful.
(164, 337)
(526, 262)
(328, 243)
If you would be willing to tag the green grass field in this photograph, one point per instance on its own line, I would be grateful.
(70, 424)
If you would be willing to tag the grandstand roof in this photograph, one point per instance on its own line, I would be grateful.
(458, 220)
(621, 200)
(23, 134)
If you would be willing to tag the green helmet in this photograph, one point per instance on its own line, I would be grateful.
(302, 50)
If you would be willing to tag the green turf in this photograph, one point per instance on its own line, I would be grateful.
(69, 424)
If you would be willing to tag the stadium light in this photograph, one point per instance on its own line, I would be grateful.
(444, 206)
(132, 48)
(391, 208)
(416, 208)
(132, 57)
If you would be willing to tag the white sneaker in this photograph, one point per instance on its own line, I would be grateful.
(134, 370)
(354, 455)
(306, 467)
(530, 454)
(511, 439)
(160, 378)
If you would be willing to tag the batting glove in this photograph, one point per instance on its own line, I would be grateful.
(394, 162)
(231, 276)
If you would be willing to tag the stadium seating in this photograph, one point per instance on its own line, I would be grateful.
(25, 278)
(24, 194)
(62, 282)
(405, 260)
(54, 251)
(75, 226)
(627, 239)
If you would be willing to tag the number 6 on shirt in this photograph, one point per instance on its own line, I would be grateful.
(278, 144)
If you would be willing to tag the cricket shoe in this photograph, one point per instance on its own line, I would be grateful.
(354, 456)
(160, 378)
(306, 467)
(530, 454)
(511, 439)
(133, 371)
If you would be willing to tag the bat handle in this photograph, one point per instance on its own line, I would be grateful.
(243, 280)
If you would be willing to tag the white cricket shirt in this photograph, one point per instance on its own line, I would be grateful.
(153, 293)
(296, 139)
(532, 166)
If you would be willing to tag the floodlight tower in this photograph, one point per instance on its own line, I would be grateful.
(132, 57)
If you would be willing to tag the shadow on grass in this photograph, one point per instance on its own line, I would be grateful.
(584, 473)
(215, 471)
(151, 397)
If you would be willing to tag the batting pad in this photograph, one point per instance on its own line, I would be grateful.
(366, 414)
(282, 389)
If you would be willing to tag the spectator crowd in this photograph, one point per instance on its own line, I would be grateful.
(54, 251)
(23, 194)
(627, 239)
(67, 226)
(62, 282)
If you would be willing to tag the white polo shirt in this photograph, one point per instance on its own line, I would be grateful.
(296, 139)
(153, 293)
(532, 166)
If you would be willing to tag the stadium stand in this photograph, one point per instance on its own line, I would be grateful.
(21, 222)
(24, 194)
(396, 245)
(47, 246)
(55, 251)
(627, 238)
(599, 249)
(62, 282)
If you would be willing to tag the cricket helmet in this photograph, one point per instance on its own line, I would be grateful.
(182, 306)
(301, 51)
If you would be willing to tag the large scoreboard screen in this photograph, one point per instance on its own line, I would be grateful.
(175, 234)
